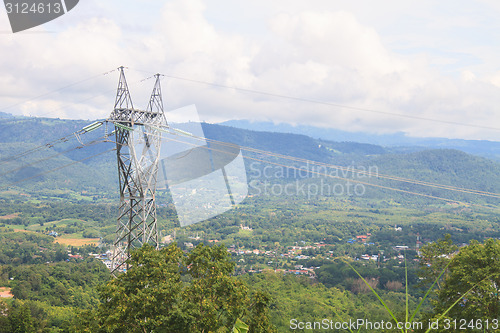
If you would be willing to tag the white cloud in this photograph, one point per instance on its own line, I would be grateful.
(408, 62)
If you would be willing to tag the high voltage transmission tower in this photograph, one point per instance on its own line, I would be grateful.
(138, 143)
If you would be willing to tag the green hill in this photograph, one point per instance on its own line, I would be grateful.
(98, 175)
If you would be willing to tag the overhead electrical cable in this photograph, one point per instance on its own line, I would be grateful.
(51, 144)
(295, 159)
(341, 178)
(363, 172)
(252, 91)
(64, 107)
(35, 149)
(91, 143)
(348, 169)
(370, 184)
(55, 169)
(57, 90)
(336, 105)
(301, 160)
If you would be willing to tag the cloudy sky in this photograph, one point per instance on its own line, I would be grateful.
(426, 68)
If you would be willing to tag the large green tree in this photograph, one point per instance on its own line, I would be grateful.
(474, 276)
(434, 257)
(145, 298)
(20, 319)
(215, 297)
(167, 291)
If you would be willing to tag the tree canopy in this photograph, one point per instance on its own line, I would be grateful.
(474, 275)
(168, 291)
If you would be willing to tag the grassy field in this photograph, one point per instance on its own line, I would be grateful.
(60, 223)
(10, 216)
(73, 239)
(21, 230)
(67, 240)
(242, 232)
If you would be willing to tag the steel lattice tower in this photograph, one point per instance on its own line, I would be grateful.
(138, 143)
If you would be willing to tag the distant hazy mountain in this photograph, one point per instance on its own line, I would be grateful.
(5, 115)
(490, 149)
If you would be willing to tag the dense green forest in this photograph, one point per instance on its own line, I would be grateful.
(280, 261)
(294, 255)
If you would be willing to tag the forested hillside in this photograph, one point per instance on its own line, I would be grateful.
(96, 176)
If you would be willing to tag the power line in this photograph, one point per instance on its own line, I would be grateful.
(369, 184)
(57, 90)
(352, 170)
(337, 105)
(3, 122)
(30, 151)
(253, 91)
(295, 159)
(342, 178)
(91, 143)
(14, 120)
(51, 144)
(56, 169)
(356, 171)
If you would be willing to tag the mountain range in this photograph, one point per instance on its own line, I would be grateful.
(398, 141)
(452, 167)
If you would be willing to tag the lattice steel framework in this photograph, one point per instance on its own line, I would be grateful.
(138, 143)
